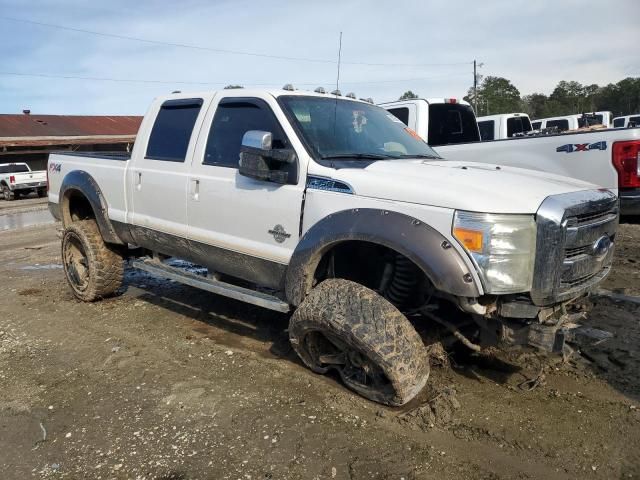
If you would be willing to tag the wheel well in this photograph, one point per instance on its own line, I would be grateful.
(377, 267)
(76, 207)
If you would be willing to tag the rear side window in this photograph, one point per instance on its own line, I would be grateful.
(561, 124)
(618, 122)
(486, 130)
(634, 122)
(517, 125)
(233, 118)
(452, 123)
(401, 114)
(172, 129)
(536, 125)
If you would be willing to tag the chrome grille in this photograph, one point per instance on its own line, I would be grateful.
(574, 244)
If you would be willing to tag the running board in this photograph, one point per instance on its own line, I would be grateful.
(211, 285)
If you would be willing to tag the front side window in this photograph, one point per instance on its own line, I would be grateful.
(618, 122)
(634, 122)
(486, 130)
(334, 129)
(536, 125)
(233, 118)
(172, 129)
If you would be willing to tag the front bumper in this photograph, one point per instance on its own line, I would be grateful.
(629, 201)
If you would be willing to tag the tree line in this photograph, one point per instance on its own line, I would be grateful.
(498, 95)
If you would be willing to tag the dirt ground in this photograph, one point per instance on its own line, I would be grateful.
(168, 382)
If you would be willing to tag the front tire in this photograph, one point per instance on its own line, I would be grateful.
(94, 270)
(344, 326)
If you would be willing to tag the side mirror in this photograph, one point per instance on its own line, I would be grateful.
(258, 160)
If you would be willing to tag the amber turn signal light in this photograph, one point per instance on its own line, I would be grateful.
(471, 239)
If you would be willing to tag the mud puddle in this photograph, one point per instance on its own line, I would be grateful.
(14, 221)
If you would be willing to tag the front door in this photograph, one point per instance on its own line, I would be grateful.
(245, 227)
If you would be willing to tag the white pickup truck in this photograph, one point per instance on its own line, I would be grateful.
(331, 209)
(609, 158)
(17, 179)
(505, 125)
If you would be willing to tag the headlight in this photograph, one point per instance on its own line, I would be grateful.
(503, 248)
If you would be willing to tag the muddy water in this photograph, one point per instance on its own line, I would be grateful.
(13, 221)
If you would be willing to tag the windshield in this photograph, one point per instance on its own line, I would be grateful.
(518, 125)
(451, 123)
(343, 129)
(13, 168)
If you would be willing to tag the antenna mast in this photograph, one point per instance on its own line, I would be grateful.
(339, 57)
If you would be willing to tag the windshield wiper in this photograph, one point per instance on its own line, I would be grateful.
(420, 155)
(357, 156)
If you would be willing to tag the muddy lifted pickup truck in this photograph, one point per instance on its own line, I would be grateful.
(330, 208)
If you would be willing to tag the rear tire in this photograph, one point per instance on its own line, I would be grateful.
(7, 194)
(344, 326)
(94, 270)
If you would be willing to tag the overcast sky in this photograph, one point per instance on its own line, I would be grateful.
(427, 46)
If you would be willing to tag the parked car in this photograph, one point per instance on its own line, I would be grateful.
(17, 179)
(332, 209)
(439, 121)
(506, 125)
(609, 158)
(628, 121)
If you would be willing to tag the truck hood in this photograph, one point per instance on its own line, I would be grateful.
(471, 186)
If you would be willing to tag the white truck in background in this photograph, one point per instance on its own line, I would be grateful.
(608, 157)
(332, 209)
(18, 179)
(627, 121)
(505, 125)
(574, 122)
(438, 121)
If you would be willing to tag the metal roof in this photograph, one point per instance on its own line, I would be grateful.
(32, 125)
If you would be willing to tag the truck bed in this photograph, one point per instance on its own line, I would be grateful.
(557, 153)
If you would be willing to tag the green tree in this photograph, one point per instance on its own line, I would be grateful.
(535, 105)
(496, 95)
(408, 95)
(232, 87)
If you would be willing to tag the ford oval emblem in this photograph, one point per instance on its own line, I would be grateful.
(601, 247)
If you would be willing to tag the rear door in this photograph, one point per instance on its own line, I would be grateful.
(243, 227)
(158, 177)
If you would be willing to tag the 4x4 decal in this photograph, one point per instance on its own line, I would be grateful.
(582, 147)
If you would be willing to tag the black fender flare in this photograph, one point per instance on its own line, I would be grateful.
(419, 242)
(83, 183)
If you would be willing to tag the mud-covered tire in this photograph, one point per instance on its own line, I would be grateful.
(99, 274)
(356, 319)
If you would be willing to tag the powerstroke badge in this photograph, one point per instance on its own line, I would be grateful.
(279, 233)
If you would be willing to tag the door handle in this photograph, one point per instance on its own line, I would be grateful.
(195, 189)
(139, 181)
